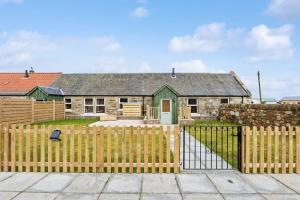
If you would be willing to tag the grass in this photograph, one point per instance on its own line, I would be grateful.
(82, 122)
(217, 135)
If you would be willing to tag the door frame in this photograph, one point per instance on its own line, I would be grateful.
(161, 108)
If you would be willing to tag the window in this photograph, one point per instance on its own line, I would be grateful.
(88, 105)
(224, 101)
(121, 101)
(100, 108)
(193, 103)
(68, 103)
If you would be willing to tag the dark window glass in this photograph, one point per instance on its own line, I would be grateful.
(68, 100)
(88, 101)
(123, 100)
(194, 109)
(100, 109)
(192, 101)
(100, 101)
(224, 100)
(88, 109)
(68, 106)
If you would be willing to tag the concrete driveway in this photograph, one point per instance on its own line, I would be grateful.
(205, 185)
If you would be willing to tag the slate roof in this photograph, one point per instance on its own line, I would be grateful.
(52, 91)
(17, 84)
(186, 84)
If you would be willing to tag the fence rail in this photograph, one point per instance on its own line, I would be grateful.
(271, 150)
(152, 113)
(89, 149)
(26, 111)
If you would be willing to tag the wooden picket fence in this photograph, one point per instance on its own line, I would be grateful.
(271, 150)
(89, 149)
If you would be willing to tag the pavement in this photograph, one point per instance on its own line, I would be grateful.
(203, 185)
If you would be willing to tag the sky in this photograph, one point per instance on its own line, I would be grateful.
(140, 36)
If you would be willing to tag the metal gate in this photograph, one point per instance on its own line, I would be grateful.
(211, 147)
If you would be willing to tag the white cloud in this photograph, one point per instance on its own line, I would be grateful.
(23, 47)
(11, 1)
(207, 38)
(140, 12)
(144, 67)
(106, 44)
(193, 66)
(266, 43)
(284, 8)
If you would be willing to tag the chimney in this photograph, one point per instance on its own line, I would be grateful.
(31, 71)
(26, 75)
(173, 73)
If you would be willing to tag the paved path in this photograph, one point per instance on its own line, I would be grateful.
(206, 185)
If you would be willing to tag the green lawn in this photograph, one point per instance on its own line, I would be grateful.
(82, 122)
(218, 136)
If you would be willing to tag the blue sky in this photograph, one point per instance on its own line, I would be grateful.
(154, 36)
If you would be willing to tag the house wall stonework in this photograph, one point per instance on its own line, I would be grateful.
(208, 106)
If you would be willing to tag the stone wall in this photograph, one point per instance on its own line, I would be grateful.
(208, 106)
(261, 115)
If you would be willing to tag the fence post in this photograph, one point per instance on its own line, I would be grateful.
(176, 149)
(53, 109)
(32, 110)
(1, 148)
(240, 151)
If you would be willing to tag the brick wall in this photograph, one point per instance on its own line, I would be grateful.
(261, 115)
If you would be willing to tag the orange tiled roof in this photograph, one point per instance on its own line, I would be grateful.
(16, 83)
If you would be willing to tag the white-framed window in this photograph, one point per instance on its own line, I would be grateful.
(193, 103)
(224, 100)
(100, 106)
(122, 101)
(68, 103)
(88, 105)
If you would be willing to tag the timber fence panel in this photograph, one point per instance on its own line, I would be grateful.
(278, 150)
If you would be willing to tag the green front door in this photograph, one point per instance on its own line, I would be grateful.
(169, 115)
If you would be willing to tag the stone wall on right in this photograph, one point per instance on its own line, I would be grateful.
(261, 114)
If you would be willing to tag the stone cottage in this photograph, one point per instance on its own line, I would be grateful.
(106, 94)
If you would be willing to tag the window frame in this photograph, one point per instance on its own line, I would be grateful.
(100, 105)
(68, 103)
(223, 99)
(121, 103)
(88, 105)
(193, 105)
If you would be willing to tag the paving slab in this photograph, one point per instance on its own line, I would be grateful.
(161, 197)
(88, 183)
(107, 196)
(265, 184)
(282, 196)
(7, 195)
(20, 181)
(5, 175)
(243, 197)
(290, 180)
(159, 183)
(229, 182)
(198, 183)
(202, 197)
(124, 183)
(36, 196)
(81, 196)
(52, 183)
